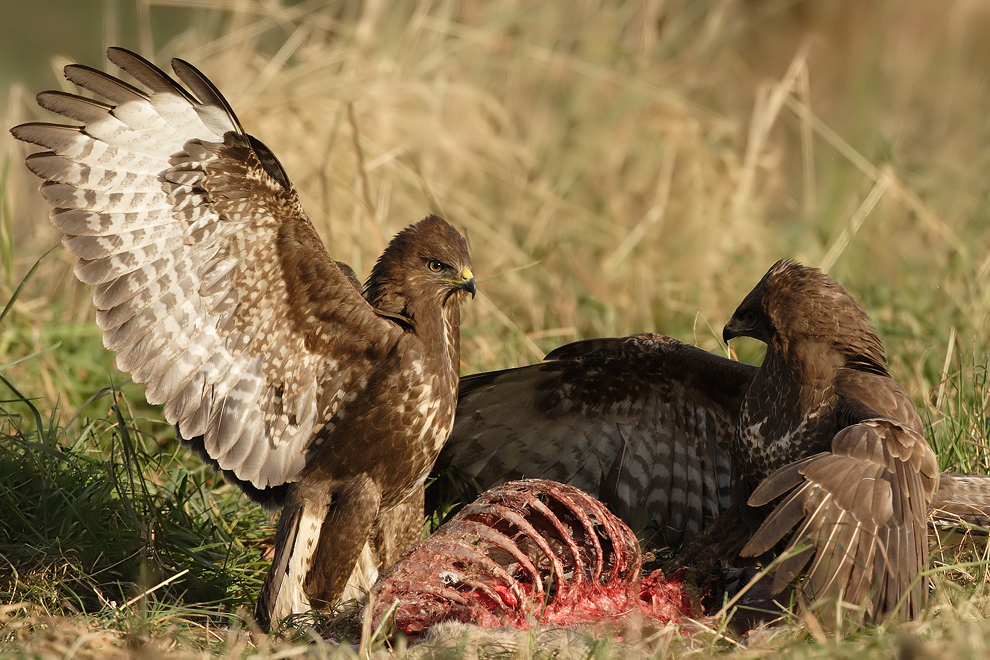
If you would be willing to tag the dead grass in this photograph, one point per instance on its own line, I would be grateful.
(618, 167)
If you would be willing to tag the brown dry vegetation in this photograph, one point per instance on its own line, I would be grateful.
(618, 167)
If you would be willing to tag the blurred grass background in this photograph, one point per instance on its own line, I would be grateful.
(617, 166)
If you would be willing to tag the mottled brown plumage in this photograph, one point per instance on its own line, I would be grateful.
(215, 290)
(633, 421)
(825, 426)
(683, 442)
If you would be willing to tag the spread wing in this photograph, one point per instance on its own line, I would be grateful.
(212, 285)
(636, 421)
(860, 513)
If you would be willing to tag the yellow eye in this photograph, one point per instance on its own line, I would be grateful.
(435, 266)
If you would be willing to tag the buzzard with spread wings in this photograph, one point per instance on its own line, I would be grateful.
(214, 288)
(713, 455)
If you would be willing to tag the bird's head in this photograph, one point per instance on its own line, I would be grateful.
(794, 302)
(427, 261)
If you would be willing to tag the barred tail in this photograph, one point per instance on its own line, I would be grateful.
(282, 593)
(962, 498)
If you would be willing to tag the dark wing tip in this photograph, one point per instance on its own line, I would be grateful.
(22, 131)
(147, 73)
(204, 89)
(269, 162)
(103, 84)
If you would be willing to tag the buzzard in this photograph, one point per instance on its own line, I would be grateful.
(214, 288)
(718, 456)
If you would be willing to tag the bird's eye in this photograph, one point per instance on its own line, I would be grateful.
(435, 266)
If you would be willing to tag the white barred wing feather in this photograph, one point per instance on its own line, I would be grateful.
(188, 228)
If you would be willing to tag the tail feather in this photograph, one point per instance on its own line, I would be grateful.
(363, 577)
(962, 498)
(282, 593)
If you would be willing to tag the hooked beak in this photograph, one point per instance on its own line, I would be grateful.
(728, 332)
(467, 282)
(735, 328)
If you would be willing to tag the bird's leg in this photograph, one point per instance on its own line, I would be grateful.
(721, 540)
(321, 534)
(349, 521)
(711, 560)
(398, 528)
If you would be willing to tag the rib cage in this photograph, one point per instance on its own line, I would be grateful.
(527, 552)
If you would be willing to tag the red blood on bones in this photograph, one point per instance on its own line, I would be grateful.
(525, 553)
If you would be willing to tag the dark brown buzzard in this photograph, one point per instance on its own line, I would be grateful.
(215, 290)
(689, 445)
